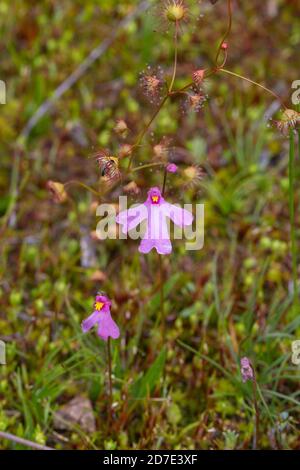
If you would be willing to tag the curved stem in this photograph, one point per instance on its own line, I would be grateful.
(211, 72)
(146, 128)
(237, 75)
(79, 183)
(175, 57)
(229, 9)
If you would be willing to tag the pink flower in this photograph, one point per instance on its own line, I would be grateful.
(246, 369)
(171, 168)
(154, 210)
(102, 317)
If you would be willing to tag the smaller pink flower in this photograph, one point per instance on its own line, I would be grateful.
(102, 318)
(171, 168)
(246, 369)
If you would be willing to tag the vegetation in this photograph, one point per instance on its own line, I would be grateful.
(185, 319)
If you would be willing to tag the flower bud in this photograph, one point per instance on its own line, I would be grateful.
(57, 191)
(121, 127)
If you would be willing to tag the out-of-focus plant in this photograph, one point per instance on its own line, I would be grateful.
(116, 168)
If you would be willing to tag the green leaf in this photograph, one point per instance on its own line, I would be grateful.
(168, 287)
(147, 382)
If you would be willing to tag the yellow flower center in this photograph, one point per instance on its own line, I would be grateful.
(175, 12)
(190, 172)
(154, 199)
(98, 305)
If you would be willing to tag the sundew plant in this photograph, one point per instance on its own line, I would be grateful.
(144, 338)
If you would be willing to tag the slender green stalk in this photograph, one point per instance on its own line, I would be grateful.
(292, 214)
(237, 75)
(85, 186)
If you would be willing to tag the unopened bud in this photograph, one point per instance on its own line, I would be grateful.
(57, 191)
(125, 150)
(121, 127)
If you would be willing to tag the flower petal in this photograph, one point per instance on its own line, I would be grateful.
(178, 215)
(130, 218)
(107, 327)
(163, 247)
(90, 321)
(146, 245)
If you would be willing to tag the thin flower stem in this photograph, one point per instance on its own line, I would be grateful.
(140, 138)
(292, 213)
(257, 416)
(79, 183)
(175, 58)
(237, 75)
(109, 377)
(188, 85)
(147, 165)
(157, 111)
(164, 182)
(217, 67)
(144, 131)
(228, 30)
(161, 287)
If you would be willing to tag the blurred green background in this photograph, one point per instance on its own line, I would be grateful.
(232, 298)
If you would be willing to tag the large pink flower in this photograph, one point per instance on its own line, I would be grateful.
(154, 210)
(102, 317)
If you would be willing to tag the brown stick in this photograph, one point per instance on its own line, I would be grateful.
(24, 442)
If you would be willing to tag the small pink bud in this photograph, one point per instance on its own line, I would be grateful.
(171, 168)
